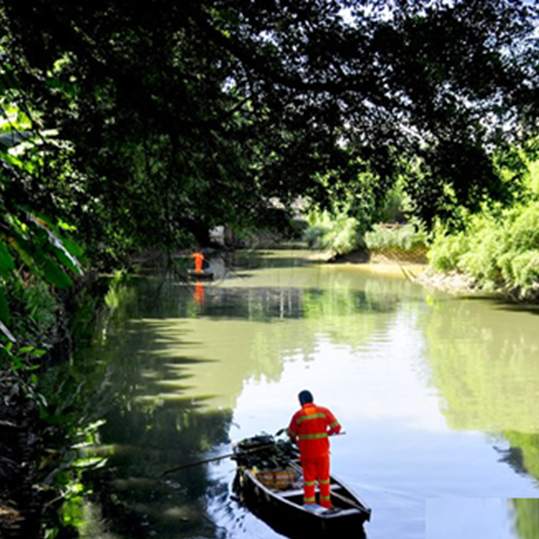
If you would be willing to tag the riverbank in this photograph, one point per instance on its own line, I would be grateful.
(32, 447)
(413, 268)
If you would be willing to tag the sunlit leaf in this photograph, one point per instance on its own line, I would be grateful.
(22, 247)
(61, 251)
(9, 335)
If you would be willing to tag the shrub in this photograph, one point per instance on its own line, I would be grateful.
(340, 234)
(522, 271)
(498, 248)
(314, 236)
(343, 237)
(524, 232)
(406, 237)
(446, 251)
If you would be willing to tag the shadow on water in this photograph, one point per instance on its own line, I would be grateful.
(125, 405)
(130, 491)
(501, 304)
(513, 457)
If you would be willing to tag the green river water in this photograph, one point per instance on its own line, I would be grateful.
(437, 395)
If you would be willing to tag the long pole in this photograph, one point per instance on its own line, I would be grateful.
(220, 457)
(199, 462)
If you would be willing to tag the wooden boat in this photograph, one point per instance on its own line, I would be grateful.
(272, 488)
(204, 275)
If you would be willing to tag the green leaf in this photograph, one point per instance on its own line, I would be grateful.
(6, 261)
(9, 335)
(74, 248)
(23, 247)
(54, 274)
(67, 260)
(49, 233)
(4, 307)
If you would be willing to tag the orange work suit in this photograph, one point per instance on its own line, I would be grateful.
(199, 261)
(311, 427)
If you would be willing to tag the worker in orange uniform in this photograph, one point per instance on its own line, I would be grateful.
(311, 426)
(199, 261)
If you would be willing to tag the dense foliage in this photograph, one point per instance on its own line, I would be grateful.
(338, 234)
(185, 115)
(499, 249)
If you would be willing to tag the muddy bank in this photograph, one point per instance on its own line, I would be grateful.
(412, 266)
(454, 281)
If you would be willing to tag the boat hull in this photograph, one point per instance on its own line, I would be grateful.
(283, 510)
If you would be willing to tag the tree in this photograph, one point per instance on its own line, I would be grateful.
(186, 115)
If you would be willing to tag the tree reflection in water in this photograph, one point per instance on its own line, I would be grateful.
(526, 518)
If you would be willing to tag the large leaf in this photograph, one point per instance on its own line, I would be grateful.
(52, 271)
(6, 332)
(56, 243)
(40, 262)
(23, 248)
(4, 307)
(6, 261)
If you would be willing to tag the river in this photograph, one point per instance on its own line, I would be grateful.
(436, 394)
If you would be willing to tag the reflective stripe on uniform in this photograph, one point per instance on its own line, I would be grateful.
(313, 436)
(311, 416)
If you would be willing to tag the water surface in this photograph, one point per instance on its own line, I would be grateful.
(437, 395)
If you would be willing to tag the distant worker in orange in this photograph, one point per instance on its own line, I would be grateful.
(199, 261)
(311, 426)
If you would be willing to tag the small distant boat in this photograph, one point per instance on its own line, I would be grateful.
(270, 483)
(203, 275)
